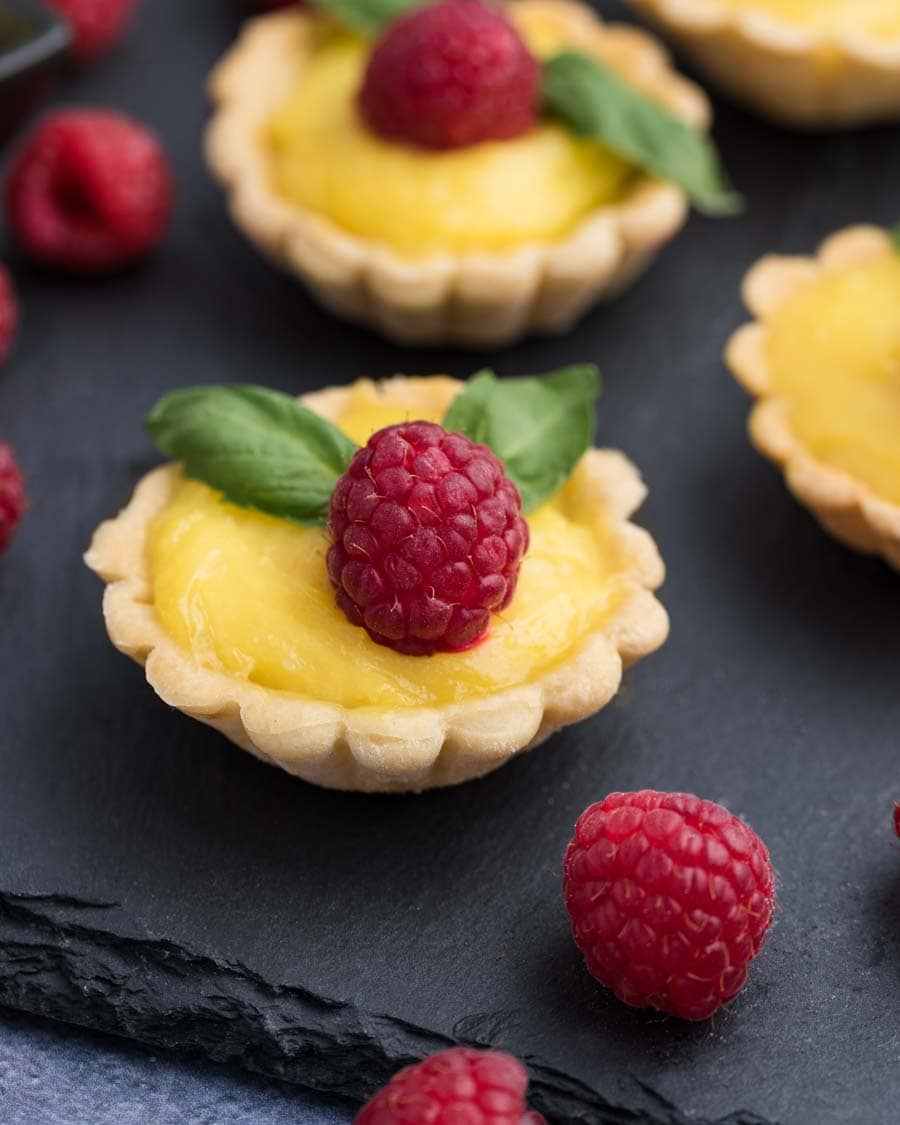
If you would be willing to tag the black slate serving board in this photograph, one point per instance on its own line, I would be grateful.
(157, 882)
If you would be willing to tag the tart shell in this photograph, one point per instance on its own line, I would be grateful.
(846, 507)
(485, 299)
(372, 749)
(796, 76)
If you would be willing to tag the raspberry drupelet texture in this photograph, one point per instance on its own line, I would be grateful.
(451, 74)
(12, 496)
(427, 539)
(670, 899)
(460, 1086)
(90, 191)
(9, 314)
(97, 25)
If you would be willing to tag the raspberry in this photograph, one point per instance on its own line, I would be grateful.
(90, 191)
(460, 1086)
(427, 538)
(9, 314)
(97, 25)
(12, 496)
(897, 819)
(670, 899)
(451, 74)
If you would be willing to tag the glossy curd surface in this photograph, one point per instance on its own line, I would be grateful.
(834, 354)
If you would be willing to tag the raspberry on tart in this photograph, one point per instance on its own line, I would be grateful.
(89, 191)
(448, 102)
(457, 1085)
(427, 537)
(670, 899)
(451, 74)
(233, 611)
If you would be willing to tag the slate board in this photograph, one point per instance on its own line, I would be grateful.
(157, 882)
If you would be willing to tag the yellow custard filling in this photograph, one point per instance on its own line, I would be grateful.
(879, 18)
(248, 595)
(488, 197)
(834, 351)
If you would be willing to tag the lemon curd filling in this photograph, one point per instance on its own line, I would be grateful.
(487, 197)
(834, 349)
(249, 595)
(879, 18)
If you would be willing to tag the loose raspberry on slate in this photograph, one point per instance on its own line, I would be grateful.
(97, 25)
(460, 1086)
(670, 899)
(90, 191)
(451, 74)
(897, 819)
(9, 314)
(12, 496)
(427, 539)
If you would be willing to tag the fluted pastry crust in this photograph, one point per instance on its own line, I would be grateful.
(846, 507)
(800, 77)
(482, 299)
(368, 748)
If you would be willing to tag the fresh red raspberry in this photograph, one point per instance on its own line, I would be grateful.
(12, 496)
(897, 819)
(451, 74)
(9, 314)
(90, 191)
(97, 25)
(670, 899)
(427, 538)
(459, 1086)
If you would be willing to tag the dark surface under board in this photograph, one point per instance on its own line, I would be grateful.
(156, 881)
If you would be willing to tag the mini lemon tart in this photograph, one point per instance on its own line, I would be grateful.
(474, 246)
(805, 63)
(823, 360)
(231, 613)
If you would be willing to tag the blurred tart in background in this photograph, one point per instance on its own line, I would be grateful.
(822, 358)
(810, 64)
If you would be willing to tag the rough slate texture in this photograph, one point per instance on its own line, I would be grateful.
(52, 1073)
(327, 938)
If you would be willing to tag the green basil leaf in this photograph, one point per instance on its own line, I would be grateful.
(259, 448)
(538, 425)
(895, 237)
(595, 102)
(365, 15)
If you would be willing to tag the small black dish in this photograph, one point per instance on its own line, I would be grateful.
(33, 43)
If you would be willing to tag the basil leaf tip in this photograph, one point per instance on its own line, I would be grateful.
(597, 103)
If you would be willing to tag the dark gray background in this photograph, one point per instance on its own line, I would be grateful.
(247, 903)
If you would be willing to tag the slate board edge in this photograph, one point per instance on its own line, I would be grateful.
(86, 963)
